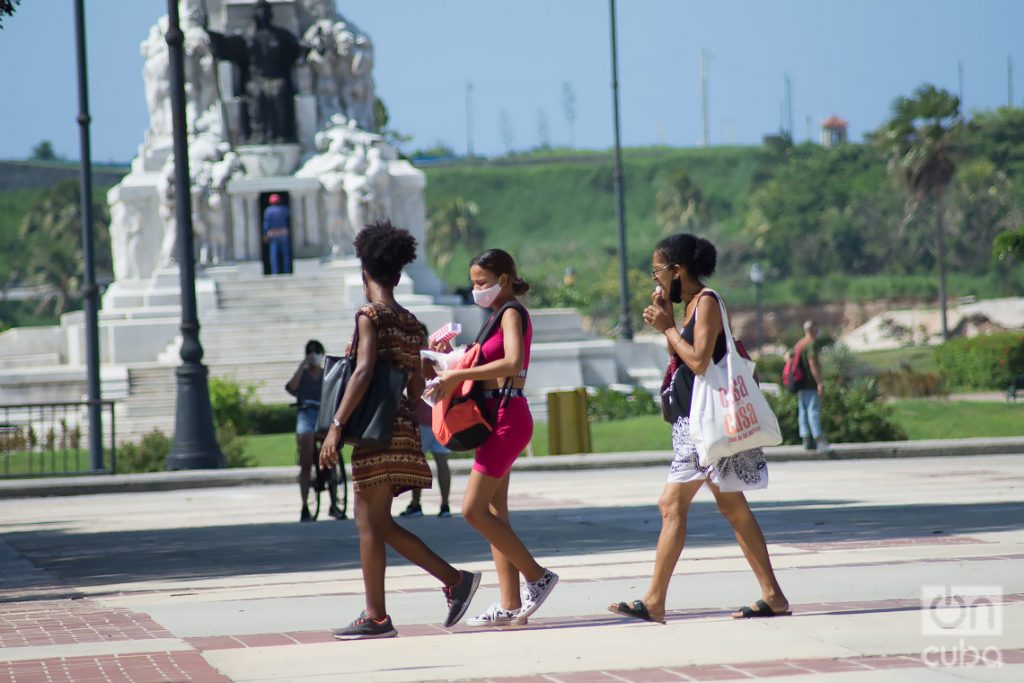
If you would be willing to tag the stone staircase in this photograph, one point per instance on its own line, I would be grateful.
(254, 328)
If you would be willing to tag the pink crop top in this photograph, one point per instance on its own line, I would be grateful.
(493, 347)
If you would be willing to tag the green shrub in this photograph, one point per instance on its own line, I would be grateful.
(233, 446)
(769, 368)
(269, 418)
(149, 455)
(230, 401)
(903, 382)
(983, 362)
(606, 405)
(850, 413)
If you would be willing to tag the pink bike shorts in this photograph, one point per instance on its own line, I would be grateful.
(513, 430)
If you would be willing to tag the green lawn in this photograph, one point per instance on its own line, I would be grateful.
(637, 434)
(925, 419)
(922, 419)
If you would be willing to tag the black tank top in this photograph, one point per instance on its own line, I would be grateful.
(682, 382)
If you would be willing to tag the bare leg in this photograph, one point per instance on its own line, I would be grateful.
(407, 544)
(476, 508)
(674, 505)
(444, 477)
(372, 556)
(508, 575)
(306, 455)
(735, 509)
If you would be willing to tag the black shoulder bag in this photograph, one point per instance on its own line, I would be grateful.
(373, 420)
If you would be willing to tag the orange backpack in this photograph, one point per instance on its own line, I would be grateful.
(459, 420)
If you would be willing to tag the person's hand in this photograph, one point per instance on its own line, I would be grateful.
(449, 380)
(331, 447)
(441, 347)
(659, 314)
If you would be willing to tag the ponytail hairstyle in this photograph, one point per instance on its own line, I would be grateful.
(500, 262)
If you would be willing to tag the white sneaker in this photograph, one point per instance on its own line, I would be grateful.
(534, 593)
(823, 446)
(496, 616)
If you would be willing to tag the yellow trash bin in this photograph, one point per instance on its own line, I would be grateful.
(568, 424)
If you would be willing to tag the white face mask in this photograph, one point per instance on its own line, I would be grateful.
(318, 359)
(486, 297)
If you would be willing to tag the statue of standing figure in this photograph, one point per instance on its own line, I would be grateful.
(265, 57)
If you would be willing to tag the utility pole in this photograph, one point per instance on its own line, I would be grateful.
(625, 327)
(469, 119)
(704, 96)
(960, 82)
(195, 441)
(1009, 81)
(90, 293)
(789, 107)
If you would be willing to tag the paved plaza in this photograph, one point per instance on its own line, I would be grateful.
(221, 584)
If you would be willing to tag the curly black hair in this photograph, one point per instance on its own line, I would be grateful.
(696, 254)
(384, 250)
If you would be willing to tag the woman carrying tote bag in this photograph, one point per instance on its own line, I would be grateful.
(678, 266)
(389, 333)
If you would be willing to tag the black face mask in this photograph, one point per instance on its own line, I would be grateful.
(675, 291)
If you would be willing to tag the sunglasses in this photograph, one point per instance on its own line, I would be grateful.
(654, 273)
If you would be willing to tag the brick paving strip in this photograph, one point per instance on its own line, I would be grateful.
(150, 667)
(730, 672)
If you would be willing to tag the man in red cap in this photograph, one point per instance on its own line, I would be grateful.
(276, 229)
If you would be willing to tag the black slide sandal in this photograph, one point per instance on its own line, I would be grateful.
(763, 610)
(637, 610)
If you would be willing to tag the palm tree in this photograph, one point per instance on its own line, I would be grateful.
(919, 139)
(679, 203)
(51, 245)
(451, 224)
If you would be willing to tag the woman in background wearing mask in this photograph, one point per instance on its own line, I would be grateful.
(305, 385)
(504, 354)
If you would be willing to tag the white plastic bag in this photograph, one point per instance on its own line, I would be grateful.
(728, 412)
(441, 361)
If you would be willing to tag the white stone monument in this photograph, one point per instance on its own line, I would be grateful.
(337, 176)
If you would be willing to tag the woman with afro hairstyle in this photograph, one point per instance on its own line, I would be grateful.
(387, 332)
(679, 266)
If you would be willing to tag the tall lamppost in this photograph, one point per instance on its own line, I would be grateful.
(757, 277)
(90, 293)
(625, 327)
(195, 440)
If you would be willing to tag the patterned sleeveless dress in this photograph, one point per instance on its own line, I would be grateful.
(401, 464)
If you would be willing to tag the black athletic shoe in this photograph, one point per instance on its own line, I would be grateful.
(304, 516)
(445, 512)
(336, 512)
(364, 628)
(414, 510)
(460, 595)
(809, 444)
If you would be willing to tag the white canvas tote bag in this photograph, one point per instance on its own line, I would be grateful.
(728, 412)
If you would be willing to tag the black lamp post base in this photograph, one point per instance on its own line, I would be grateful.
(195, 438)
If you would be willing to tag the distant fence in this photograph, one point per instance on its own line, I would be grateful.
(51, 439)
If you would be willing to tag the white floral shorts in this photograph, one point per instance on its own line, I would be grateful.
(744, 471)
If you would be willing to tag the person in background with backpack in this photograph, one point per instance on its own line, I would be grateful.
(809, 387)
(679, 266)
(505, 355)
(389, 333)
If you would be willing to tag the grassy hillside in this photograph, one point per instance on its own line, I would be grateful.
(553, 213)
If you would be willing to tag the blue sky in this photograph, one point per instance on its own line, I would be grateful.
(849, 57)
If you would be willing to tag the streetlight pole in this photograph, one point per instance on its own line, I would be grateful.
(757, 277)
(90, 293)
(625, 327)
(195, 441)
